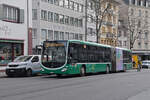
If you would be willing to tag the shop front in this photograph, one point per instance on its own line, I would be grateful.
(9, 50)
(143, 54)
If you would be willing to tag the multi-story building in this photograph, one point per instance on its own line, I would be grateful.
(137, 18)
(14, 24)
(122, 36)
(91, 24)
(109, 28)
(57, 20)
(109, 25)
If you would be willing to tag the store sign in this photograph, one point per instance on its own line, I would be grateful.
(5, 30)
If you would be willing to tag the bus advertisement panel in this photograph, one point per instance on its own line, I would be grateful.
(119, 59)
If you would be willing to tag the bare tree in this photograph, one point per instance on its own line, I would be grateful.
(99, 12)
(135, 26)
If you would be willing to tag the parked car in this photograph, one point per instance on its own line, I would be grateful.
(24, 66)
(146, 64)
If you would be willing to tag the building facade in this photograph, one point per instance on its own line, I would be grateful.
(109, 27)
(138, 26)
(57, 20)
(13, 29)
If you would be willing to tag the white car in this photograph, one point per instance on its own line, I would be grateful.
(24, 65)
(146, 64)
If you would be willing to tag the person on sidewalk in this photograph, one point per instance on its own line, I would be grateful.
(139, 66)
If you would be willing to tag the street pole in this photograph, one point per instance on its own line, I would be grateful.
(86, 3)
(27, 27)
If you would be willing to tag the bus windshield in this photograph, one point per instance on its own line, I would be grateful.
(54, 54)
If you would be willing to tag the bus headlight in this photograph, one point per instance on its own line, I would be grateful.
(64, 69)
(42, 69)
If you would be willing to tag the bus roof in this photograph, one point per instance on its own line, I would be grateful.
(90, 43)
(123, 49)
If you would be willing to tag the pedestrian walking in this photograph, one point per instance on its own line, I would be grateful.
(139, 66)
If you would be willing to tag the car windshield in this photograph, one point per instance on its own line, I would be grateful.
(22, 58)
(54, 54)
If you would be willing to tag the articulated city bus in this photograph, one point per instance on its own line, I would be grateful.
(80, 57)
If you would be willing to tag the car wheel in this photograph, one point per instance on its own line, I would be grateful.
(29, 73)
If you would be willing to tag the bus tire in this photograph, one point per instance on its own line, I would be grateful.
(29, 73)
(59, 75)
(107, 69)
(82, 71)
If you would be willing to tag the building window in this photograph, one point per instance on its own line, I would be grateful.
(139, 2)
(50, 16)
(34, 33)
(56, 17)
(43, 34)
(71, 5)
(146, 45)
(139, 44)
(146, 13)
(66, 3)
(120, 43)
(67, 20)
(76, 36)
(125, 43)
(80, 36)
(61, 35)
(145, 3)
(11, 14)
(80, 23)
(125, 34)
(132, 12)
(61, 3)
(50, 35)
(56, 2)
(133, 2)
(43, 14)
(71, 36)
(80, 8)
(72, 21)
(76, 6)
(34, 14)
(146, 35)
(50, 1)
(90, 5)
(76, 22)
(61, 18)
(140, 13)
(66, 35)
(56, 35)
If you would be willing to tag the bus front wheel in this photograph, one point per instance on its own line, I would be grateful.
(82, 71)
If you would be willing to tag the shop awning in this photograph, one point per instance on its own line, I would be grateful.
(11, 41)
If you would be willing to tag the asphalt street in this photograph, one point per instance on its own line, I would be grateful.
(130, 85)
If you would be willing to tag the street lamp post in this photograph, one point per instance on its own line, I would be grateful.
(86, 3)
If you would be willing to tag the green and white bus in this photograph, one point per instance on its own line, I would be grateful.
(80, 57)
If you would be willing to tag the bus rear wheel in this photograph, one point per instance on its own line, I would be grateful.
(82, 71)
